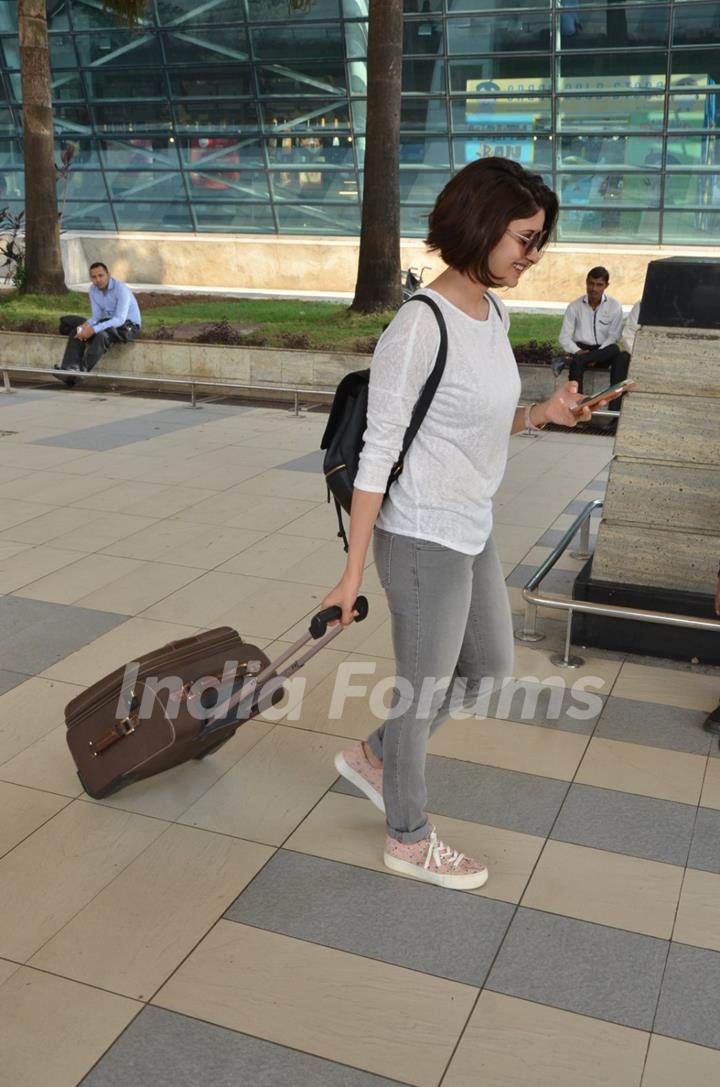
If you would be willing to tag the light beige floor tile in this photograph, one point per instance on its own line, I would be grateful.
(272, 607)
(260, 513)
(536, 557)
(320, 523)
(31, 564)
(214, 545)
(11, 482)
(689, 690)
(138, 589)
(672, 1063)
(265, 795)
(167, 501)
(527, 748)
(537, 663)
(48, 527)
(322, 1001)
(156, 909)
(698, 918)
(171, 793)
(117, 496)
(8, 548)
(157, 540)
(518, 606)
(104, 530)
(62, 490)
(324, 566)
(206, 600)
(649, 771)
(284, 483)
(7, 969)
(514, 1043)
(711, 786)
(46, 764)
(606, 888)
(514, 541)
(61, 867)
(22, 811)
(124, 643)
(272, 556)
(14, 511)
(350, 830)
(30, 711)
(79, 579)
(36, 457)
(57, 1029)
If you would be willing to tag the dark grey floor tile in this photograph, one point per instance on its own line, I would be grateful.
(590, 969)
(688, 1007)
(553, 536)
(654, 725)
(35, 634)
(310, 462)
(640, 826)
(596, 485)
(378, 915)
(557, 581)
(705, 849)
(579, 504)
(163, 1049)
(545, 705)
(122, 432)
(8, 680)
(485, 794)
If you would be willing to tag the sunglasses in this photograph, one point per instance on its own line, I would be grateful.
(536, 240)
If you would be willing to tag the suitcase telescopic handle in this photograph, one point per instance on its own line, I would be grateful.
(319, 622)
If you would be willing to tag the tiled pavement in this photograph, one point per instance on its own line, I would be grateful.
(232, 922)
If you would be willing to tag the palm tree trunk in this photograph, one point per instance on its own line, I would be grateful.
(378, 280)
(42, 228)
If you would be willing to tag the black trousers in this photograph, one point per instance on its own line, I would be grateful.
(610, 357)
(85, 354)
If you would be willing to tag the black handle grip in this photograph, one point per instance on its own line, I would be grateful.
(319, 622)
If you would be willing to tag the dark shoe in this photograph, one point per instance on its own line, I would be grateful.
(558, 364)
(712, 722)
(70, 382)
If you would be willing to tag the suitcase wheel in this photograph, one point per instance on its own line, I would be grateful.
(101, 794)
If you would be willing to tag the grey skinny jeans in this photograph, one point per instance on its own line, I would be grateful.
(450, 619)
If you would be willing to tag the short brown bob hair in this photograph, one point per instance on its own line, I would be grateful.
(474, 209)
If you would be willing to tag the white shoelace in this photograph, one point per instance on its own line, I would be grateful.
(439, 853)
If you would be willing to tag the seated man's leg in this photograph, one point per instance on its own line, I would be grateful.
(72, 359)
(618, 372)
(96, 348)
(577, 369)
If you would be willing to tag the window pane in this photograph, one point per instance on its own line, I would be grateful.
(692, 227)
(414, 221)
(695, 68)
(67, 85)
(422, 186)
(422, 36)
(692, 190)
(125, 83)
(314, 184)
(622, 71)
(599, 151)
(697, 24)
(613, 27)
(693, 151)
(304, 113)
(71, 119)
(423, 115)
(500, 75)
(10, 154)
(145, 184)
(7, 123)
(600, 113)
(214, 116)
(499, 34)
(694, 110)
(623, 189)
(151, 152)
(613, 225)
(62, 51)
(423, 76)
(153, 216)
(417, 150)
(13, 184)
(495, 5)
(196, 12)
(290, 41)
(95, 216)
(247, 218)
(486, 115)
(191, 46)
(228, 81)
(119, 48)
(228, 184)
(305, 219)
(217, 152)
(533, 151)
(85, 156)
(263, 11)
(133, 116)
(325, 77)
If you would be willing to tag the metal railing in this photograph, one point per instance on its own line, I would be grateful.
(306, 393)
(534, 599)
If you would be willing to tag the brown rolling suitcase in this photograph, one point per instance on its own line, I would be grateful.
(180, 702)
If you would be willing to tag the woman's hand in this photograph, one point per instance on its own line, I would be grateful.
(344, 596)
(558, 409)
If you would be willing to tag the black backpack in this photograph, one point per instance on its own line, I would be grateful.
(343, 437)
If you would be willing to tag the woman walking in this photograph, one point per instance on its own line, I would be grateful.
(432, 536)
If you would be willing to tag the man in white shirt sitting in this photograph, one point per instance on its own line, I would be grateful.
(590, 332)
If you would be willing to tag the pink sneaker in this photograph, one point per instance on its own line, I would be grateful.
(354, 766)
(432, 860)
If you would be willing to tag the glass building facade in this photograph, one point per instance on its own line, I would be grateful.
(249, 115)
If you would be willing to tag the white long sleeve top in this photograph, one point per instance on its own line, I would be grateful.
(457, 459)
(583, 324)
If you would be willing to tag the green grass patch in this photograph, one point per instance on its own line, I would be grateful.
(320, 325)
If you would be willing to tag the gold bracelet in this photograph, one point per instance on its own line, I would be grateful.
(529, 425)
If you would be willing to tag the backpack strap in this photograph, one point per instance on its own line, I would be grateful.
(429, 388)
(494, 302)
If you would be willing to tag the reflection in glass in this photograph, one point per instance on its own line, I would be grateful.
(153, 216)
(486, 115)
(612, 27)
(531, 151)
(603, 113)
(603, 189)
(614, 226)
(695, 227)
(516, 33)
(234, 218)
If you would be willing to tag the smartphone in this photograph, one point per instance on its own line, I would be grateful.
(606, 394)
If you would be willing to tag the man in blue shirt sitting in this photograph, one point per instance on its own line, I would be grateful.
(115, 319)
